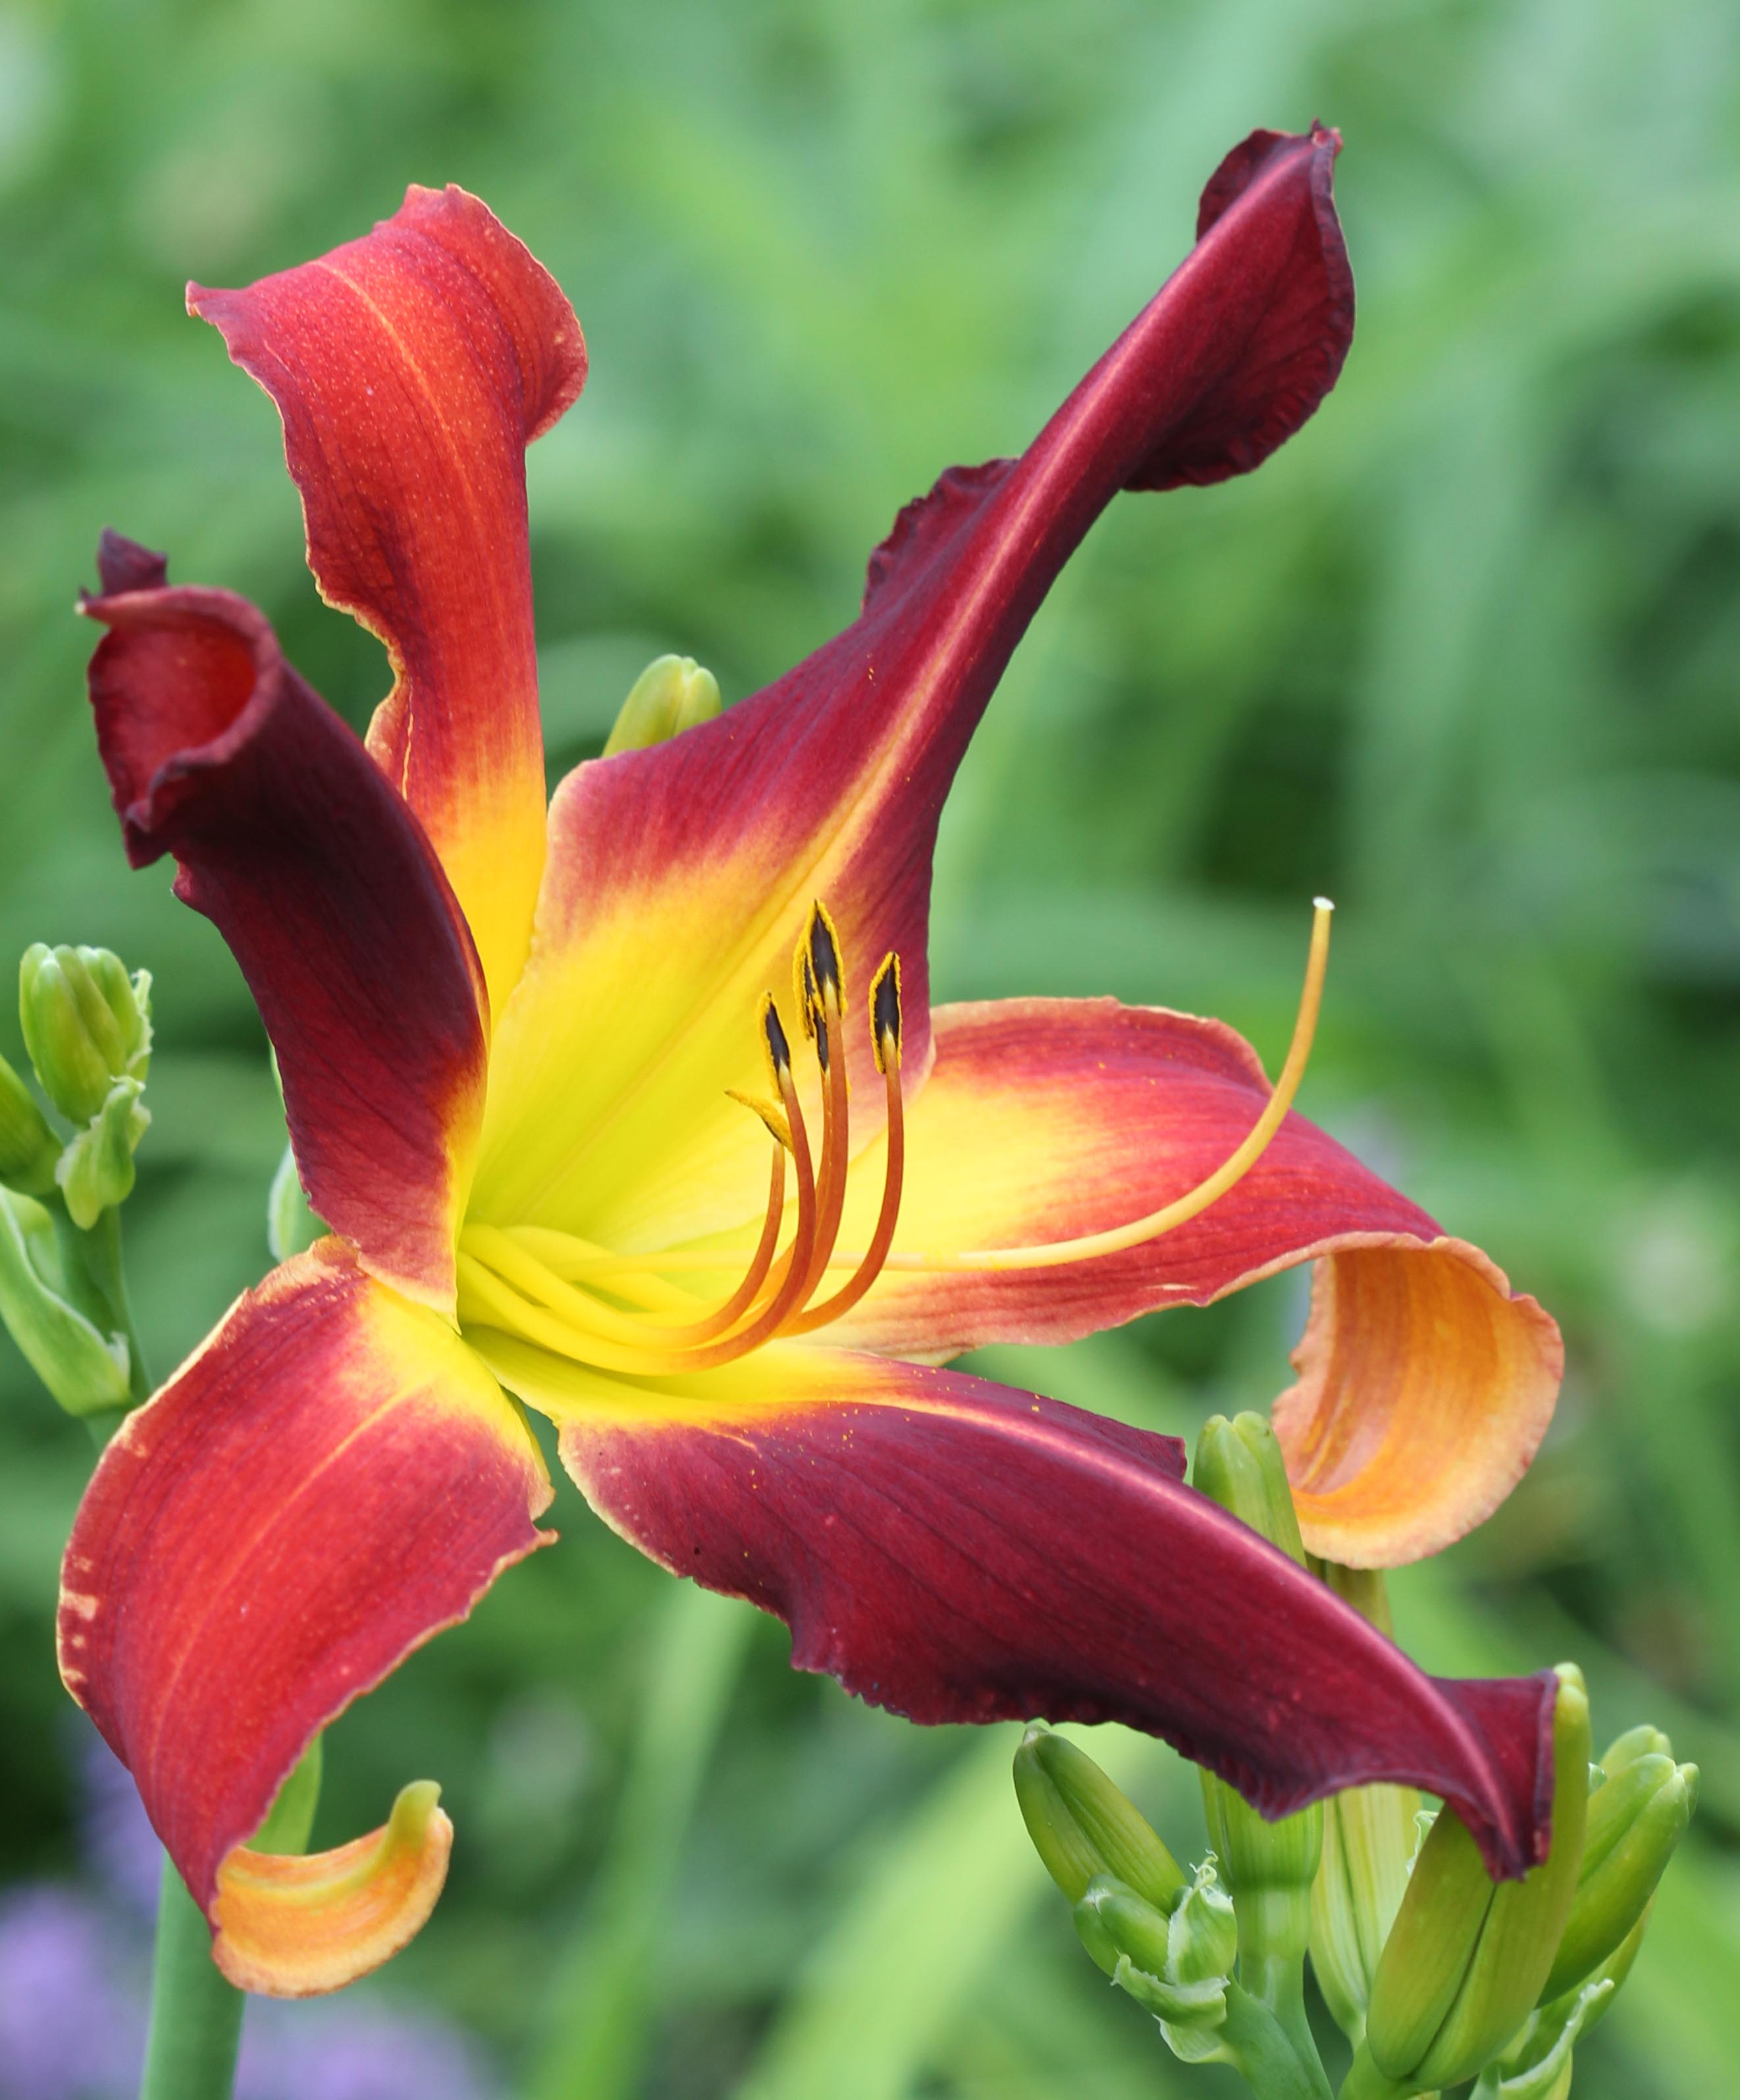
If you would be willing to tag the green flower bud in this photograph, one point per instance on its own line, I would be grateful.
(1369, 1841)
(1467, 1957)
(95, 1171)
(85, 1369)
(1082, 1826)
(1637, 1816)
(1202, 1934)
(673, 693)
(1539, 2066)
(291, 1224)
(1238, 1465)
(86, 1024)
(1177, 1967)
(28, 1147)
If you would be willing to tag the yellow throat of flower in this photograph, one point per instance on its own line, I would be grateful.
(624, 1313)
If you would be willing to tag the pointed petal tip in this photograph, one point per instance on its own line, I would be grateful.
(298, 1925)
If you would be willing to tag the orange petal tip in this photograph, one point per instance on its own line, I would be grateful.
(294, 1925)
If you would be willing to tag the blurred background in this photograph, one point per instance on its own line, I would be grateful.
(1466, 655)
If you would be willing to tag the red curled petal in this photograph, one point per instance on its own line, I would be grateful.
(411, 368)
(329, 1480)
(327, 893)
(828, 783)
(958, 1551)
(1426, 1384)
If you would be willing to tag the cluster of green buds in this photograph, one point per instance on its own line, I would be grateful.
(1436, 1975)
(86, 1024)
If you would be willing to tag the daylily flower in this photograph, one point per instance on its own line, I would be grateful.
(642, 1114)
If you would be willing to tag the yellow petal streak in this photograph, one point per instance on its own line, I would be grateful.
(290, 1926)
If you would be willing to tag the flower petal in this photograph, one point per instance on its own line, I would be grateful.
(293, 1926)
(411, 368)
(329, 1480)
(1426, 1384)
(680, 877)
(326, 890)
(958, 1551)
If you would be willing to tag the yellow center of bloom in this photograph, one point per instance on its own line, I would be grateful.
(624, 1312)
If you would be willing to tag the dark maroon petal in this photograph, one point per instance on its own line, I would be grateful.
(292, 842)
(829, 782)
(959, 1551)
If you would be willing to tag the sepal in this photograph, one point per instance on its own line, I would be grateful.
(86, 1369)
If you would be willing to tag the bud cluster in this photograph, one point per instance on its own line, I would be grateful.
(87, 1025)
(1437, 1974)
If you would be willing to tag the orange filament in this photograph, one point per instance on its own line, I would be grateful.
(546, 1286)
(1089, 1247)
(883, 1238)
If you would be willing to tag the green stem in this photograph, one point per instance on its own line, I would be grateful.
(196, 2013)
(1263, 2054)
(1278, 1980)
(1365, 2081)
(101, 1251)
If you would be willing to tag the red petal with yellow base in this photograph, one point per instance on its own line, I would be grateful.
(411, 368)
(1426, 1384)
(958, 1551)
(324, 886)
(680, 877)
(331, 1480)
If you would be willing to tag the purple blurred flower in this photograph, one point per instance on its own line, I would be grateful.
(72, 1991)
(71, 2004)
(333, 2052)
(120, 1846)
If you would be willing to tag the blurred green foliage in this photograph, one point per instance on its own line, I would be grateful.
(1466, 654)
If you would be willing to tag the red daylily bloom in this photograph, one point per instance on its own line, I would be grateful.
(515, 1058)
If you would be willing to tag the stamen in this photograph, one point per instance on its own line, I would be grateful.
(821, 968)
(517, 1265)
(589, 1303)
(885, 1036)
(1089, 1247)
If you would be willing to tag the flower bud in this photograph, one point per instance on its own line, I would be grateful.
(1269, 1867)
(1466, 1959)
(291, 1223)
(86, 1024)
(28, 1147)
(1082, 1826)
(95, 1171)
(84, 1368)
(1177, 1967)
(1637, 1816)
(1369, 1841)
(673, 693)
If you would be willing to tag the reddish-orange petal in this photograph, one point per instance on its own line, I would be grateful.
(411, 368)
(332, 1478)
(1426, 1384)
